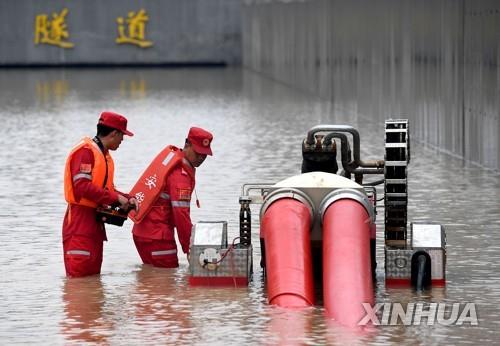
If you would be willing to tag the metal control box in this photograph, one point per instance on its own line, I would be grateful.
(214, 262)
(425, 238)
(209, 233)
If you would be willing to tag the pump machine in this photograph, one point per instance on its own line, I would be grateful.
(322, 224)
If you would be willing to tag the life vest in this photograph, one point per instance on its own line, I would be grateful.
(149, 186)
(98, 172)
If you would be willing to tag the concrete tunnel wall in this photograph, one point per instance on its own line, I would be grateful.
(181, 32)
(434, 62)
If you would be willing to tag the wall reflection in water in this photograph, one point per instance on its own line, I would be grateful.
(47, 91)
(133, 89)
(42, 87)
(434, 62)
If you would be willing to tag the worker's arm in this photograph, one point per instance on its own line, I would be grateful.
(131, 200)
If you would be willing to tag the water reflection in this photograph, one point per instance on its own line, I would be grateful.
(47, 91)
(85, 318)
(161, 306)
(133, 89)
(310, 327)
(336, 334)
(289, 326)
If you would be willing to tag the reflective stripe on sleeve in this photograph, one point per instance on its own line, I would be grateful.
(164, 195)
(163, 252)
(180, 204)
(78, 252)
(82, 176)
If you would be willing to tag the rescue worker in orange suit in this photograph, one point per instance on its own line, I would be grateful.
(88, 183)
(154, 235)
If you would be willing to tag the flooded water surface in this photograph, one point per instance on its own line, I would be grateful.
(258, 126)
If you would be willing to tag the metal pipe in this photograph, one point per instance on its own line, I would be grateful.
(254, 199)
(246, 188)
(368, 170)
(348, 165)
(345, 148)
(421, 272)
(355, 141)
(374, 183)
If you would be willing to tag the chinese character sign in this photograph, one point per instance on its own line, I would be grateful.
(151, 181)
(139, 196)
(52, 31)
(133, 29)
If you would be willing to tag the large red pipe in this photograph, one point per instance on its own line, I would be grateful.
(347, 279)
(286, 230)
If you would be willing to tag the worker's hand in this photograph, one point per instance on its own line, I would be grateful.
(188, 256)
(123, 202)
(133, 204)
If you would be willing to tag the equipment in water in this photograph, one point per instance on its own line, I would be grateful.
(321, 225)
(420, 264)
(111, 215)
(318, 225)
(212, 262)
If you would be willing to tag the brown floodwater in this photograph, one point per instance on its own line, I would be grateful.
(258, 126)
